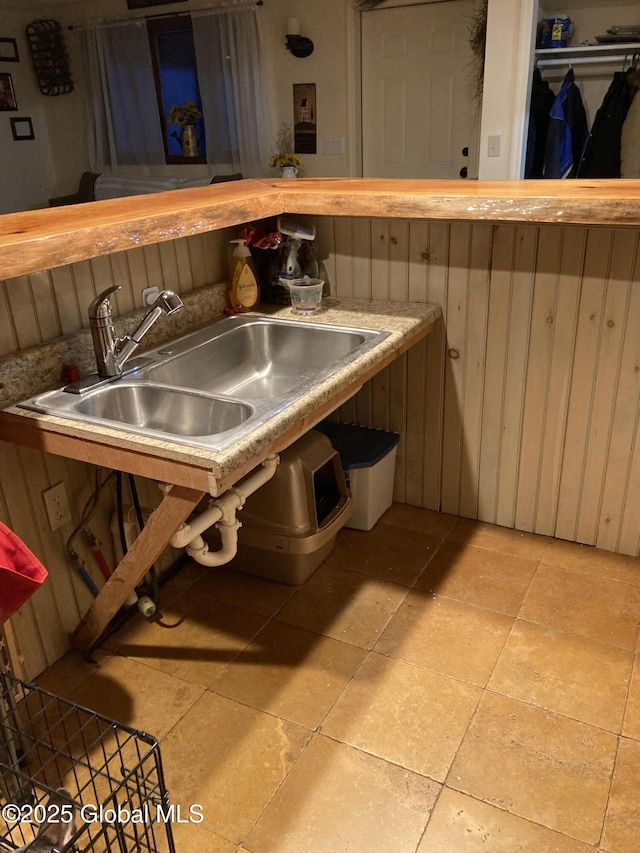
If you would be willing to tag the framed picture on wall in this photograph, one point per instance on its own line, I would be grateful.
(7, 95)
(21, 128)
(304, 118)
(8, 50)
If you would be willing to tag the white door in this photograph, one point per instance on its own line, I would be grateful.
(420, 118)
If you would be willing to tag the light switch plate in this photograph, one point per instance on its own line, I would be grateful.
(334, 146)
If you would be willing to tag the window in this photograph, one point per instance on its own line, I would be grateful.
(176, 77)
(137, 71)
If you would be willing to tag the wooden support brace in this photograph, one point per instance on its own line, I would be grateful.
(174, 509)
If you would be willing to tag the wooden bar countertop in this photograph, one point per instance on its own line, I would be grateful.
(41, 239)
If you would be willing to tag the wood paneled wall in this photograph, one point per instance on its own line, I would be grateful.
(523, 409)
(34, 309)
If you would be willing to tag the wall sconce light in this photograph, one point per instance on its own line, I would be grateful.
(297, 44)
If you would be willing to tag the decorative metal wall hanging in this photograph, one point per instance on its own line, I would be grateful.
(49, 56)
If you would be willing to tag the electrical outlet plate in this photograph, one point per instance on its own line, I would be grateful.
(56, 504)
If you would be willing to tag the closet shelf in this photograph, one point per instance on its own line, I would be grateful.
(586, 54)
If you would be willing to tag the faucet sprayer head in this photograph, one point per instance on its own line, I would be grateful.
(112, 352)
(168, 301)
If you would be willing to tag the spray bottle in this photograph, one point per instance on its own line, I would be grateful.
(243, 285)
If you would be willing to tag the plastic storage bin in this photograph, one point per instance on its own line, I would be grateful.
(368, 458)
(289, 526)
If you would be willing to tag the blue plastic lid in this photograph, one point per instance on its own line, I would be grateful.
(359, 447)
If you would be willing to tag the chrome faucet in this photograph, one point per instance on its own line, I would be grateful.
(112, 352)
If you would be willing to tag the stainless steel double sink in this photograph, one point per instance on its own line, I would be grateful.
(213, 386)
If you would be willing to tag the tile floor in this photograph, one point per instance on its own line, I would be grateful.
(437, 685)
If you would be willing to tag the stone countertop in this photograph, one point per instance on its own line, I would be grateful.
(406, 322)
(38, 368)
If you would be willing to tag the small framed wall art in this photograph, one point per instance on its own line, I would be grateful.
(304, 118)
(21, 128)
(8, 50)
(7, 95)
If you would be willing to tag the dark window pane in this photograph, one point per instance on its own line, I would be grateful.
(176, 81)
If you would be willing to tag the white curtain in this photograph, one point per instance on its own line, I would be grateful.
(125, 127)
(124, 124)
(231, 77)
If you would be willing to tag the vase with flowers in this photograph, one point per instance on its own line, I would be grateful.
(285, 160)
(186, 118)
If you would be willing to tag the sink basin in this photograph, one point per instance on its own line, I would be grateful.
(212, 387)
(155, 408)
(258, 359)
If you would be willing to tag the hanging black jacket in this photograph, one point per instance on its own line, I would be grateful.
(542, 98)
(602, 153)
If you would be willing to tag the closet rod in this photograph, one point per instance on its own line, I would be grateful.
(583, 60)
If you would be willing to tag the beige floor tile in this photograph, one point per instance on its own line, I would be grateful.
(405, 714)
(386, 552)
(448, 636)
(538, 765)
(427, 521)
(530, 546)
(293, 673)
(229, 759)
(598, 608)
(181, 581)
(622, 822)
(461, 823)
(70, 671)
(631, 725)
(249, 592)
(136, 695)
(572, 675)
(198, 637)
(344, 605)
(479, 576)
(593, 561)
(192, 838)
(338, 798)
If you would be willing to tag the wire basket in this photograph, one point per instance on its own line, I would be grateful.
(113, 774)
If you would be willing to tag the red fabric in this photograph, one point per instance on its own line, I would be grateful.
(21, 573)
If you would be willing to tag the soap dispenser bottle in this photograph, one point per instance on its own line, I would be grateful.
(243, 284)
